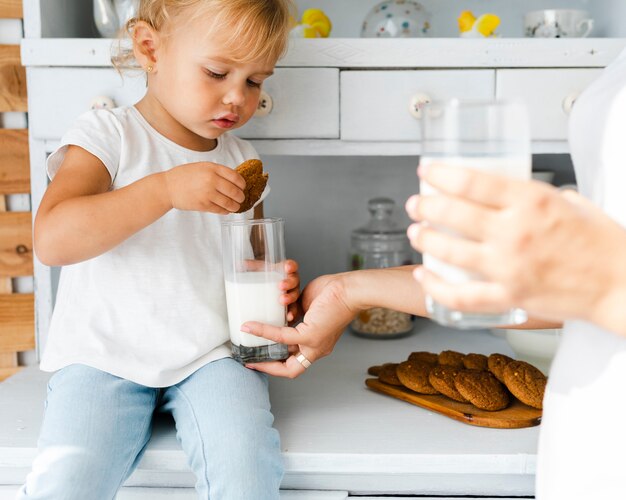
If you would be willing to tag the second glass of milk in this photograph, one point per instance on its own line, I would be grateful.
(254, 257)
(491, 136)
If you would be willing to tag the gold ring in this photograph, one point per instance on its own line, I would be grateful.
(301, 358)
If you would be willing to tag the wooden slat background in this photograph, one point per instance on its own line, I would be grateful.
(17, 317)
(12, 80)
(17, 311)
(14, 161)
(16, 244)
(11, 9)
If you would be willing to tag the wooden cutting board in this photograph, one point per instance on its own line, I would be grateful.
(516, 416)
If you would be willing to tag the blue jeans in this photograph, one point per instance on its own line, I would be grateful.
(96, 427)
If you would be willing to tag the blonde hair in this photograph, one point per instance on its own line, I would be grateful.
(254, 29)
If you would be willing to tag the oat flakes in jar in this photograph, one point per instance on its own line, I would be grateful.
(381, 243)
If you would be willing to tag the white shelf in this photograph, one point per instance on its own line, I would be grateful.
(373, 53)
(290, 147)
(335, 433)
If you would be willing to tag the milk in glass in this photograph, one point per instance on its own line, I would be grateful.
(253, 296)
(508, 166)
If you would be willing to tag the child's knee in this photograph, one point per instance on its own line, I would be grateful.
(71, 472)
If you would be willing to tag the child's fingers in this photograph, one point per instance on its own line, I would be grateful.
(294, 312)
(230, 175)
(291, 266)
(290, 297)
(290, 282)
(225, 202)
(230, 190)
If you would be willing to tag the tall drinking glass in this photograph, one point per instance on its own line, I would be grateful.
(491, 136)
(254, 258)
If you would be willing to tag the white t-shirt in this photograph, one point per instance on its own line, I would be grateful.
(582, 444)
(151, 310)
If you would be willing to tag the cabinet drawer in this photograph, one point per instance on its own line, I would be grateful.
(57, 96)
(305, 105)
(305, 101)
(375, 105)
(549, 95)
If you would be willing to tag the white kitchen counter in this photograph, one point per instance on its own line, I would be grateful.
(335, 433)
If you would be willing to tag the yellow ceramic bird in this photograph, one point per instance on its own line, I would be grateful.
(314, 24)
(484, 26)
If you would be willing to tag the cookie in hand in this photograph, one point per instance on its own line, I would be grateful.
(256, 180)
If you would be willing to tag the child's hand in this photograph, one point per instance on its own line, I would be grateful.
(291, 288)
(204, 187)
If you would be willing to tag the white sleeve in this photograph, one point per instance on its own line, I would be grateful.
(613, 172)
(99, 133)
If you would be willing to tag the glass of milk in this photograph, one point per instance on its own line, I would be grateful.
(492, 136)
(254, 258)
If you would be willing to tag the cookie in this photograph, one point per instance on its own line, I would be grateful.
(482, 389)
(424, 357)
(475, 362)
(442, 378)
(414, 375)
(256, 180)
(375, 370)
(526, 383)
(388, 374)
(451, 358)
(496, 364)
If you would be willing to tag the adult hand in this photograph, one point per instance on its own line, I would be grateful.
(552, 253)
(326, 316)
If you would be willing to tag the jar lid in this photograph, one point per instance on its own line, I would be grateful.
(381, 224)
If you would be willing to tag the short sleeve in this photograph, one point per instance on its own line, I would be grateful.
(99, 133)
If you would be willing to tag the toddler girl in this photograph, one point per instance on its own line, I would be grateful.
(133, 214)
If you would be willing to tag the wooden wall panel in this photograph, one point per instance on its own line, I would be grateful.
(11, 9)
(14, 162)
(12, 80)
(17, 322)
(16, 244)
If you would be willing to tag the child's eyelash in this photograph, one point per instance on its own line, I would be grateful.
(219, 76)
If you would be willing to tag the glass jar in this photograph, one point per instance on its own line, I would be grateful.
(380, 244)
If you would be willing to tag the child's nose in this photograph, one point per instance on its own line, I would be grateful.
(235, 96)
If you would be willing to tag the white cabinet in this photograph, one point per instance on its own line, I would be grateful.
(384, 105)
(549, 95)
(57, 96)
(305, 101)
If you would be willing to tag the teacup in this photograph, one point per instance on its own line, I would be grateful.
(558, 23)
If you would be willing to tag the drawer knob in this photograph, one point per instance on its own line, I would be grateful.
(417, 104)
(266, 104)
(102, 102)
(569, 101)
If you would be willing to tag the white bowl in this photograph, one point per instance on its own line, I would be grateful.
(536, 347)
(396, 19)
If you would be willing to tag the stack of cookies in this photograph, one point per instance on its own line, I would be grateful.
(487, 382)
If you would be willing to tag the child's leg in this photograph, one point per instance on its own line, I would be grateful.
(94, 430)
(224, 424)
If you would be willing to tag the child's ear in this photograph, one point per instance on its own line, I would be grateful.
(146, 42)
